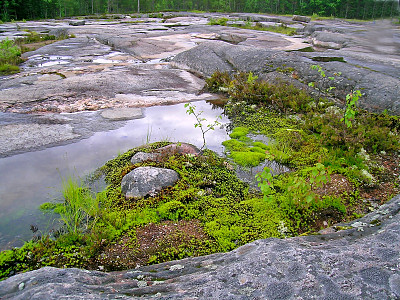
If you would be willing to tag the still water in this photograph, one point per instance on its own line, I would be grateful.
(32, 178)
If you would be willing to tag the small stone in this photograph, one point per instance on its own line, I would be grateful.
(21, 286)
(176, 267)
(142, 284)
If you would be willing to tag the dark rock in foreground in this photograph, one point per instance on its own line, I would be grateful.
(357, 263)
(145, 181)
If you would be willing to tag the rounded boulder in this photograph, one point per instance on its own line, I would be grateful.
(147, 181)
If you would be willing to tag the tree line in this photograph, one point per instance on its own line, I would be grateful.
(39, 9)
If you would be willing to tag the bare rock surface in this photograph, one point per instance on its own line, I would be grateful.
(144, 181)
(123, 64)
(345, 49)
(361, 262)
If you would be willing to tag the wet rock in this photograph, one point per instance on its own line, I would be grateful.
(122, 113)
(144, 181)
(27, 136)
(181, 148)
(329, 40)
(340, 265)
(143, 156)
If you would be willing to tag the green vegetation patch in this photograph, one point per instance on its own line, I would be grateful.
(10, 57)
(318, 141)
(208, 192)
(11, 50)
(248, 158)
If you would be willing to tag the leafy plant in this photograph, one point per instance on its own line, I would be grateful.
(191, 110)
(351, 108)
(325, 81)
(265, 183)
(9, 52)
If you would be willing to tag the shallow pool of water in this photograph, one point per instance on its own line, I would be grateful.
(32, 178)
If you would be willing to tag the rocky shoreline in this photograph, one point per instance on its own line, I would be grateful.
(145, 62)
(129, 65)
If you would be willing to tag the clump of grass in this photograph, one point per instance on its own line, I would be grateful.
(7, 69)
(11, 50)
(218, 21)
(10, 57)
(282, 28)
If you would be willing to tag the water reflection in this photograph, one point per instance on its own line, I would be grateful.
(30, 179)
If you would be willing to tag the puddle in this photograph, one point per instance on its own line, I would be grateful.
(105, 61)
(328, 58)
(32, 178)
(54, 63)
(48, 60)
(29, 179)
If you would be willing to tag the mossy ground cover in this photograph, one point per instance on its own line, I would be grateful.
(209, 210)
(338, 174)
(360, 163)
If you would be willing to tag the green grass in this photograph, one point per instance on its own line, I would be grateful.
(10, 57)
(11, 50)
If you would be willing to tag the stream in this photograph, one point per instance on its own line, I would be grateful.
(32, 178)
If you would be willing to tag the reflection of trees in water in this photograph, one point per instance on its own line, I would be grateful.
(218, 103)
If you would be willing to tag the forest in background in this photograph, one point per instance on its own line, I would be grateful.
(43, 9)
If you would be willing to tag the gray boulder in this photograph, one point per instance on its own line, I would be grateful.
(143, 156)
(301, 18)
(330, 40)
(77, 23)
(144, 181)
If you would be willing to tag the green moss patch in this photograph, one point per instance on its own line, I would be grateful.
(248, 159)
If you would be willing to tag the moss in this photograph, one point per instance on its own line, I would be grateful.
(239, 132)
(248, 159)
(172, 210)
(260, 145)
(340, 228)
(257, 149)
(235, 145)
